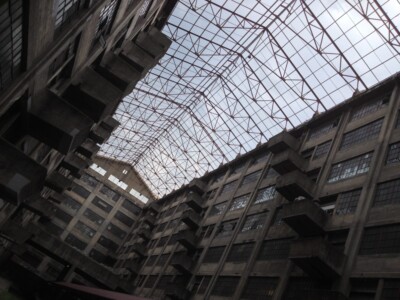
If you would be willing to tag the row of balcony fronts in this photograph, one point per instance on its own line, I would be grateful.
(13, 28)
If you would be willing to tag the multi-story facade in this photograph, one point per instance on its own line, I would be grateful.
(311, 214)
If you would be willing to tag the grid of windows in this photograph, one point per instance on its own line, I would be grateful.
(254, 222)
(65, 11)
(364, 133)
(239, 202)
(225, 286)
(387, 193)
(92, 216)
(322, 149)
(89, 180)
(133, 208)
(81, 191)
(347, 202)
(274, 249)
(240, 252)
(75, 242)
(214, 254)
(226, 228)
(84, 229)
(322, 129)
(259, 288)
(381, 240)
(369, 107)
(391, 289)
(124, 219)
(218, 209)
(116, 231)
(350, 168)
(108, 244)
(102, 204)
(145, 8)
(11, 15)
(393, 156)
(250, 178)
(265, 194)
(109, 192)
(229, 187)
(201, 284)
(70, 203)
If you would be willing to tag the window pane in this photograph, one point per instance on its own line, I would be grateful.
(254, 222)
(239, 202)
(265, 194)
(350, 168)
(387, 193)
(347, 202)
(361, 134)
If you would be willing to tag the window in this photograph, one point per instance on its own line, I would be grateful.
(322, 129)
(118, 182)
(393, 156)
(206, 231)
(150, 262)
(54, 229)
(116, 231)
(278, 217)
(102, 204)
(201, 284)
(271, 174)
(322, 149)
(162, 260)
(124, 219)
(398, 120)
(214, 254)
(263, 157)
(81, 191)
(225, 286)
(381, 240)
(107, 243)
(254, 222)
(162, 242)
(387, 193)
(11, 16)
(98, 256)
(259, 288)
(75, 242)
(350, 168)
(364, 133)
(133, 208)
(144, 9)
(62, 215)
(308, 288)
(239, 202)
(391, 289)
(164, 282)
(238, 169)
(84, 229)
(218, 209)
(250, 178)
(98, 169)
(240, 252)
(347, 202)
(104, 23)
(89, 180)
(151, 280)
(369, 107)
(92, 216)
(65, 12)
(265, 194)
(161, 227)
(105, 190)
(229, 187)
(274, 249)
(226, 228)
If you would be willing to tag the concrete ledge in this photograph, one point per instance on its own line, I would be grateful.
(281, 142)
(295, 184)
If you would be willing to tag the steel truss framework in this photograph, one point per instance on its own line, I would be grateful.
(239, 72)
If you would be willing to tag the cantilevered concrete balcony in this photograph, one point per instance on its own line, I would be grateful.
(16, 232)
(100, 134)
(295, 184)
(282, 142)
(182, 262)
(42, 207)
(56, 123)
(197, 186)
(119, 73)
(317, 257)
(193, 200)
(139, 249)
(57, 182)
(144, 233)
(287, 161)
(152, 207)
(149, 219)
(177, 292)
(187, 239)
(88, 148)
(154, 42)
(138, 58)
(21, 177)
(305, 217)
(191, 219)
(93, 95)
(74, 164)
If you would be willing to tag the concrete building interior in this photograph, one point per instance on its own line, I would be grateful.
(200, 149)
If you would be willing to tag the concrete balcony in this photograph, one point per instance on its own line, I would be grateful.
(187, 239)
(110, 123)
(182, 262)
(133, 267)
(177, 292)
(138, 58)
(152, 207)
(149, 219)
(57, 182)
(119, 73)
(305, 217)
(197, 186)
(295, 184)
(100, 134)
(21, 177)
(56, 123)
(16, 232)
(93, 95)
(88, 148)
(193, 200)
(282, 142)
(144, 233)
(317, 257)
(41, 207)
(287, 161)
(154, 42)
(74, 164)
(139, 249)
(191, 219)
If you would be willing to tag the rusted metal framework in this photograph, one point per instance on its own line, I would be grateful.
(239, 72)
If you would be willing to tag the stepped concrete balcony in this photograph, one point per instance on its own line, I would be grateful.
(295, 184)
(282, 142)
(317, 257)
(42, 207)
(197, 186)
(133, 267)
(119, 73)
(138, 58)
(153, 206)
(182, 262)
(305, 217)
(320, 295)
(177, 292)
(287, 161)
(139, 249)
(100, 134)
(56, 123)
(187, 239)
(18, 233)
(144, 233)
(88, 148)
(149, 219)
(74, 164)
(154, 42)
(191, 219)
(21, 177)
(93, 95)
(57, 182)
(193, 200)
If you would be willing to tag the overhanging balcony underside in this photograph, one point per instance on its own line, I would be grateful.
(56, 123)
(304, 217)
(74, 164)
(41, 207)
(295, 184)
(154, 42)
(21, 177)
(282, 142)
(100, 134)
(88, 148)
(138, 58)
(149, 219)
(144, 233)
(183, 263)
(152, 207)
(287, 161)
(191, 219)
(58, 182)
(317, 257)
(187, 239)
(197, 186)
(193, 200)
(139, 249)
